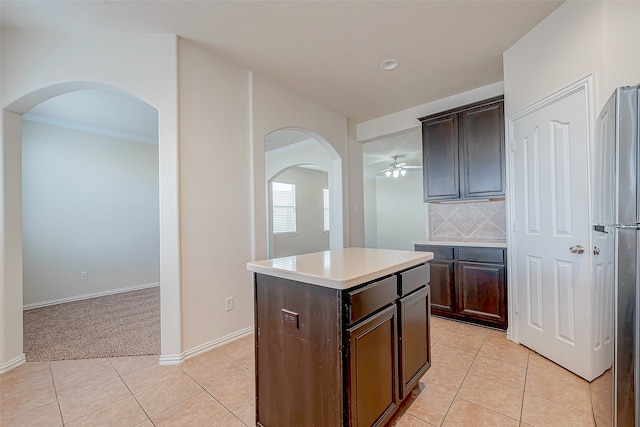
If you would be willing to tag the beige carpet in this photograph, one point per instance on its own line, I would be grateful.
(125, 324)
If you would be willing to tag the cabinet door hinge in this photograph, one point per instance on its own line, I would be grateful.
(513, 146)
(514, 227)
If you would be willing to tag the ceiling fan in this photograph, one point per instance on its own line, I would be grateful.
(396, 169)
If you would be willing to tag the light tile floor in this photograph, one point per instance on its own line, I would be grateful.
(477, 378)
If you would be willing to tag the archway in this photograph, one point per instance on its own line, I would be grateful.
(11, 335)
(289, 147)
(90, 227)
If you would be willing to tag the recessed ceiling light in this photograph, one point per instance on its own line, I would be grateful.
(390, 64)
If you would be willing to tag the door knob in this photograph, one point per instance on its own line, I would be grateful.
(596, 250)
(576, 249)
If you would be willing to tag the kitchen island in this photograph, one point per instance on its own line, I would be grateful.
(342, 336)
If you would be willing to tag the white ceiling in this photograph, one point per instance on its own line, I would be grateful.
(328, 51)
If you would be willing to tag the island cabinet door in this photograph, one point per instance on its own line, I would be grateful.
(372, 378)
(415, 351)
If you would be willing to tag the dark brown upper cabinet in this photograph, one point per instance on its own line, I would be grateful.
(463, 152)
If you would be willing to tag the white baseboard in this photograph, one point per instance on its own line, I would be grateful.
(88, 296)
(171, 359)
(14, 363)
(176, 359)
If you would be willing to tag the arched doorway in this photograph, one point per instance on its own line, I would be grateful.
(11, 342)
(90, 227)
(291, 147)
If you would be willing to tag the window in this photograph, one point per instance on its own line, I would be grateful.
(284, 207)
(325, 198)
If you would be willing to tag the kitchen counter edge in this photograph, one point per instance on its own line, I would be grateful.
(350, 267)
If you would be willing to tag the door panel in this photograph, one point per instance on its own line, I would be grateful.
(442, 286)
(551, 205)
(561, 178)
(565, 296)
(534, 293)
(531, 187)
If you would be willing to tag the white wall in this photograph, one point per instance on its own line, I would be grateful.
(565, 47)
(622, 61)
(401, 214)
(577, 39)
(355, 208)
(36, 66)
(215, 202)
(370, 207)
(89, 203)
(310, 235)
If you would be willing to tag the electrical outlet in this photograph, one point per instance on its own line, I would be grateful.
(84, 275)
(290, 319)
(228, 304)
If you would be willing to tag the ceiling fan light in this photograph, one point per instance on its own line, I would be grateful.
(388, 173)
(396, 173)
(403, 172)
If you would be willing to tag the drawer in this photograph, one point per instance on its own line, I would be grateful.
(441, 252)
(411, 280)
(481, 255)
(372, 297)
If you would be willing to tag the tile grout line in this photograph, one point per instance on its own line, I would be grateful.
(524, 389)
(131, 391)
(55, 390)
(463, 379)
(468, 373)
(209, 393)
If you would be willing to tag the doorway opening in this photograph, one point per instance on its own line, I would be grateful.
(299, 158)
(13, 289)
(91, 233)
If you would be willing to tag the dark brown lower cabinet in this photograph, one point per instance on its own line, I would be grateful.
(469, 283)
(327, 357)
(481, 292)
(373, 367)
(442, 286)
(415, 351)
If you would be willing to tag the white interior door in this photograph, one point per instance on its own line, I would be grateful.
(551, 212)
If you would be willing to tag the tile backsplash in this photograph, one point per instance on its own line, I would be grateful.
(469, 220)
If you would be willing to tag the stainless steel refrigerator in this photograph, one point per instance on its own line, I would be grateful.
(616, 181)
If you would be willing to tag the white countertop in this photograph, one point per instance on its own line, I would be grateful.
(340, 268)
(486, 243)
